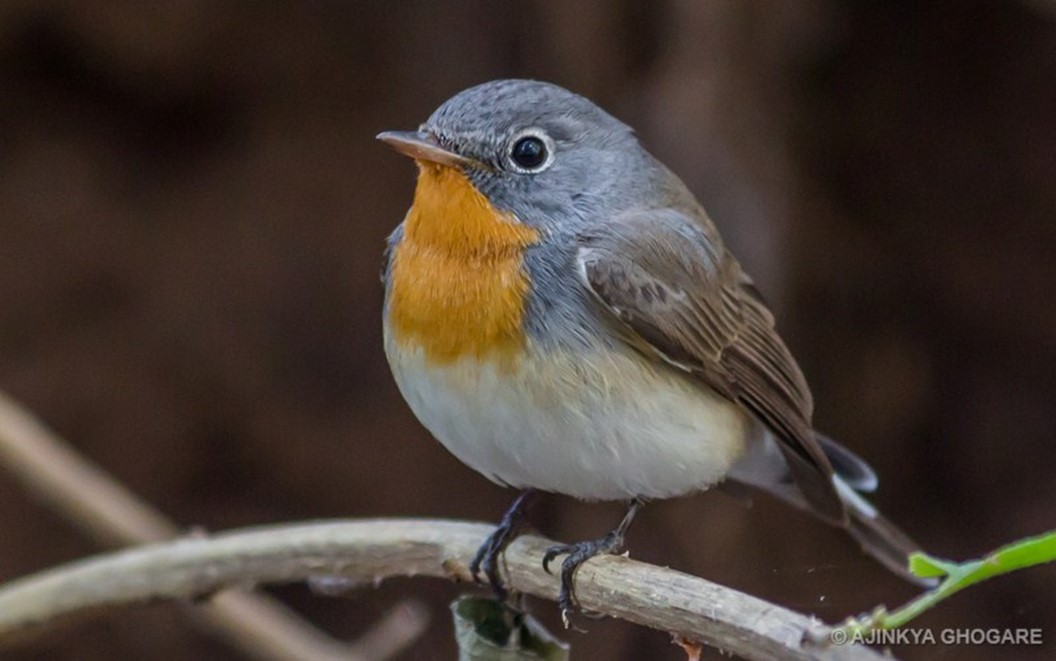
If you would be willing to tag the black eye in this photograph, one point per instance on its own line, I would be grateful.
(529, 153)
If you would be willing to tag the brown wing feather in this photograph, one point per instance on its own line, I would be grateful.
(685, 300)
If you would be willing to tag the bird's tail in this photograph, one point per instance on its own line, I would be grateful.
(878, 537)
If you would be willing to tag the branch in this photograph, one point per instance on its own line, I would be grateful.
(260, 625)
(690, 608)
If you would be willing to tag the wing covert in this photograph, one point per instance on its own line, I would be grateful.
(680, 297)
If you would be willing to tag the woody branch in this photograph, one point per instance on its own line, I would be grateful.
(689, 608)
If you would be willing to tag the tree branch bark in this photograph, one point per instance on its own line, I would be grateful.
(258, 624)
(688, 607)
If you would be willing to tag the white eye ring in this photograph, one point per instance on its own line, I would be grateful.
(526, 136)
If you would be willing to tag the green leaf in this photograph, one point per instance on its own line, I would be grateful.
(925, 566)
(487, 630)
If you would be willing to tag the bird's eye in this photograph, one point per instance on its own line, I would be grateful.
(530, 153)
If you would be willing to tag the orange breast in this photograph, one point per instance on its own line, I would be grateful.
(458, 287)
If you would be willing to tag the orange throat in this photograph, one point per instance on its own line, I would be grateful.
(458, 287)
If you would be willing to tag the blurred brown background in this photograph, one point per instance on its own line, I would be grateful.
(192, 216)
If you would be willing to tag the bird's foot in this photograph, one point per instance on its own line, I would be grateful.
(487, 557)
(578, 553)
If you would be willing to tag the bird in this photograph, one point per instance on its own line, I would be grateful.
(561, 313)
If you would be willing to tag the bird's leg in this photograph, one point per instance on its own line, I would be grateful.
(487, 556)
(580, 552)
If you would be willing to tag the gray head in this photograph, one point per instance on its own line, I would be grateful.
(535, 149)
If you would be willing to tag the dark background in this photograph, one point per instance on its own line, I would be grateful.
(192, 216)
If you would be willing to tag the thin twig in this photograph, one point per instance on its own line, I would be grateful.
(687, 607)
(260, 625)
(396, 630)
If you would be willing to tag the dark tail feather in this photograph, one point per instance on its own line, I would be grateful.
(879, 537)
(853, 469)
(765, 469)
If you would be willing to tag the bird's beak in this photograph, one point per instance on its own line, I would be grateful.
(422, 146)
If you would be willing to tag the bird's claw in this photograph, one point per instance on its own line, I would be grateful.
(487, 559)
(578, 553)
(553, 552)
(488, 555)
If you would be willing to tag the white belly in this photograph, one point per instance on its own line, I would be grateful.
(594, 426)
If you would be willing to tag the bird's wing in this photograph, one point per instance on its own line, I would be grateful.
(678, 296)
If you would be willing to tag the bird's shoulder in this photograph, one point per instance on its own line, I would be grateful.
(667, 275)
